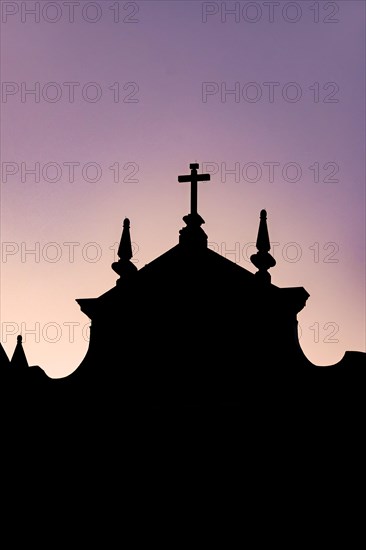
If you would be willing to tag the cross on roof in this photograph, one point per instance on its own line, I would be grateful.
(194, 178)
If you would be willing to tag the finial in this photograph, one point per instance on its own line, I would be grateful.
(124, 267)
(125, 248)
(262, 243)
(262, 259)
(19, 359)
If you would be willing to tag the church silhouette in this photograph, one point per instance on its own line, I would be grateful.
(191, 328)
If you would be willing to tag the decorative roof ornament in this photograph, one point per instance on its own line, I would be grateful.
(262, 259)
(193, 234)
(124, 267)
(19, 359)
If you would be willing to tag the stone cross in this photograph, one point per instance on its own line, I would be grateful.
(194, 178)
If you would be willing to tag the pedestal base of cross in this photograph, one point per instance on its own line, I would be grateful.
(193, 235)
(193, 220)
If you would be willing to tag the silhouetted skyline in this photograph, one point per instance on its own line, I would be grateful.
(273, 111)
(181, 368)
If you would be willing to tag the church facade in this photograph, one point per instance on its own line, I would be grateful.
(192, 325)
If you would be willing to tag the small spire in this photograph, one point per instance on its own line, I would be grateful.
(19, 359)
(125, 247)
(262, 259)
(124, 267)
(262, 243)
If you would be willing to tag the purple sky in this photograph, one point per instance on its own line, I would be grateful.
(172, 63)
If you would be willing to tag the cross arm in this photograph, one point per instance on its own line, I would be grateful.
(199, 177)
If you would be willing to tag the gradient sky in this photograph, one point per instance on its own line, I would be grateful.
(159, 55)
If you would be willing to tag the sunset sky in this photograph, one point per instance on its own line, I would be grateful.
(268, 97)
